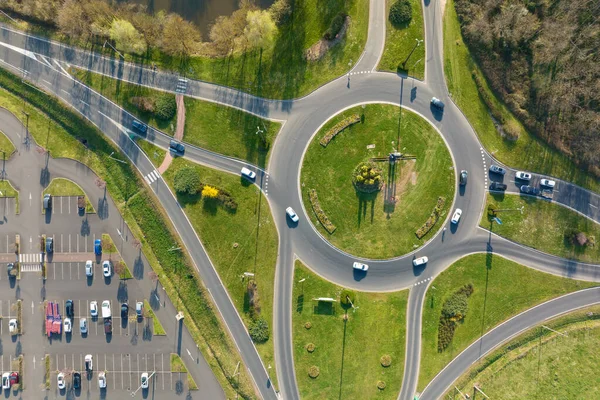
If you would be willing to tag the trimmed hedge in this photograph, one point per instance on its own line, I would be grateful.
(316, 206)
(337, 128)
(433, 218)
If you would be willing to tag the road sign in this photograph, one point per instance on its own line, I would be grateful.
(498, 221)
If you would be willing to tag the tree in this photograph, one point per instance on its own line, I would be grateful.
(222, 35)
(186, 181)
(400, 13)
(165, 107)
(119, 267)
(347, 298)
(180, 37)
(260, 28)
(126, 37)
(71, 20)
(150, 26)
(259, 330)
(209, 192)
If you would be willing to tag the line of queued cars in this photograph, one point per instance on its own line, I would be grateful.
(545, 189)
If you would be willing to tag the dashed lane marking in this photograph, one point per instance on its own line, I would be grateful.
(591, 205)
(359, 72)
(423, 281)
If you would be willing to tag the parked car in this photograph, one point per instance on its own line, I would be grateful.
(102, 380)
(530, 190)
(524, 176)
(11, 270)
(463, 177)
(94, 308)
(106, 311)
(124, 310)
(106, 268)
(76, 380)
(437, 103)
(69, 308)
(420, 261)
(83, 328)
(47, 201)
(49, 245)
(498, 186)
(6, 380)
(14, 378)
(176, 147)
(108, 326)
(60, 380)
(139, 308)
(548, 183)
(139, 126)
(144, 380)
(98, 247)
(360, 266)
(89, 362)
(67, 325)
(292, 214)
(13, 326)
(497, 169)
(456, 216)
(246, 173)
(89, 268)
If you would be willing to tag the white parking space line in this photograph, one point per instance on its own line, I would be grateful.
(69, 204)
(591, 205)
(61, 201)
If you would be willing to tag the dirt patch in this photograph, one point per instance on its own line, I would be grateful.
(319, 49)
(406, 177)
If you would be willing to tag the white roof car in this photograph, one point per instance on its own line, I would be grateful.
(83, 325)
(94, 308)
(292, 214)
(13, 326)
(60, 380)
(89, 363)
(524, 176)
(248, 174)
(106, 268)
(68, 326)
(6, 380)
(106, 313)
(144, 380)
(420, 261)
(547, 183)
(360, 266)
(89, 268)
(102, 380)
(139, 308)
(456, 216)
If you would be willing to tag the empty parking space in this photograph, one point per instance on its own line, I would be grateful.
(74, 242)
(65, 205)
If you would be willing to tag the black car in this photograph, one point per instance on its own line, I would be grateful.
(69, 308)
(530, 190)
(108, 326)
(140, 127)
(498, 186)
(437, 103)
(76, 380)
(49, 245)
(176, 147)
(463, 177)
(124, 310)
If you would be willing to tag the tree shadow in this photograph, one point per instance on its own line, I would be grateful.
(300, 303)
(138, 267)
(122, 292)
(364, 199)
(324, 308)
(343, 353)
(85, 227)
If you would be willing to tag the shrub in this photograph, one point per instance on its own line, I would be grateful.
(400, 13)
(165, 107)
(313, 371)
(308, 325)
(186, 181)
(386, 360)
(336, 25)
(367, 178)
(316, 206)
(487, 99)
(259, 330)
(144, 104)
(253, 299)
(511, 129)
(581, 239)
(380, 385)
(345, 295)
(490, 210)
(210, 192)
(339, 127)
(454, 310)
(310, 347)
(433, 218)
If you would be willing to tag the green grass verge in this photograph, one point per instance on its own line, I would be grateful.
(400, 41)
(208, 125)
(47, 372)
(251, 228)
(143, 215)
(540, 363)
(9, 191)
(158, 329)
(66, 187)
(542, 225)
(347, 353)
(495, 299)
(154, 153)
(367, 227)
(177, 364)
(6, 146)
(527, 152)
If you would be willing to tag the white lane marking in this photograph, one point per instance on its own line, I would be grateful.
(84, 102)
(46, 61)
(62, 69)
(591, 205)
(156, 174)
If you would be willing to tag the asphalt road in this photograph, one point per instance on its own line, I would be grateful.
(45, 64)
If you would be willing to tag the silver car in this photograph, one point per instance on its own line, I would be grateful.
(292, 214)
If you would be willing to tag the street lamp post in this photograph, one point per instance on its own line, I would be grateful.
(417, 44)
(116, 159)
(112, 47)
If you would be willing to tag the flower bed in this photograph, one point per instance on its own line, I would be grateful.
(367, 178)
(314, 201)
(435, 215)
(337, 128)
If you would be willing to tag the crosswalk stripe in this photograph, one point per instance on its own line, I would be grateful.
(155, 173)
(147, 180)
(151, 178)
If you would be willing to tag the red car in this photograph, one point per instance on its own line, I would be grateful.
(14, 378)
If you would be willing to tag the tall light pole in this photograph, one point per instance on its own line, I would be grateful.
(111, 46)
(417, 44)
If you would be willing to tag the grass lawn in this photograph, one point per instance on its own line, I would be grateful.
(158, 329)
(154, 153)
(143, 215)
(495, 292)
(547, 236)
(208, 125)
(527, 152)
(347, 353)
(400, 41)
(542, 364)
(66, 187)
(238, 242)
(9, 191)
(177, 365)
(6, 146)
(368, 227)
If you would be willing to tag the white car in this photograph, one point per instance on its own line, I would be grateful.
(456, 216)
(13, 326)
(89, 362)
(60, 380)
(67, 325)
(420, 261)
(106, 312)
(6, 380)
(548, 183)
(106, 268)
(102, 380)
(94, 308)
(89, 268)
(145, 380)
(292, 214)
(360, 266)
(83, 325)
(524, 176)
(246, 173)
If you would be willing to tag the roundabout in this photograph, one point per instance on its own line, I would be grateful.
(376, 204)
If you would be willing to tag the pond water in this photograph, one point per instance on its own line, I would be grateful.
(202, 12)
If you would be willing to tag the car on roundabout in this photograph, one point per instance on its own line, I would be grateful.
(463, 177)
(548, 183)
(360, 266)
(292, 214)
(456, 216)
(248, 174)
(420, 261)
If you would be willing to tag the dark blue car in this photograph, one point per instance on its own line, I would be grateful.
(98, 247)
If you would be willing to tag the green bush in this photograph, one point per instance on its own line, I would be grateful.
(259, 330)
(367, 178)
(336, 25)
(337, 128)
(453, 311)
(345, 295)
(400, 13)
(166, 107)
(433, 218)
(187, 181)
